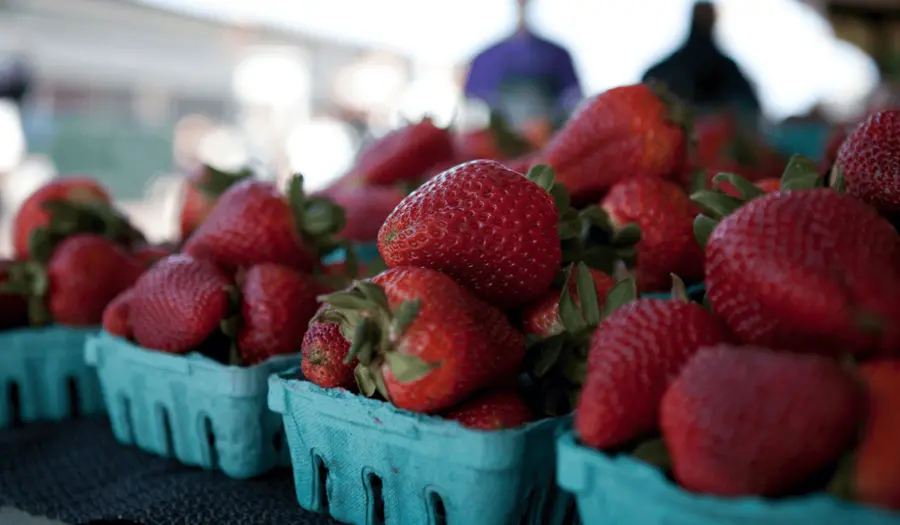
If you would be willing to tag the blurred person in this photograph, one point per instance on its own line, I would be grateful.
(699, 73)
(528, 80)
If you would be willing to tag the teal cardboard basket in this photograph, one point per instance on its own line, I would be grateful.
(366, 462)
(365, 253)
(694, 291)
(43, 375)
(621, 490)
(190, 407)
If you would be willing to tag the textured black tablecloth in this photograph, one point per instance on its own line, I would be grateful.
(76, 472)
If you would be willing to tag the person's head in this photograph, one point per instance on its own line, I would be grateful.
(703, 18)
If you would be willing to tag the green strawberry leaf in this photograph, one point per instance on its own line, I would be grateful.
(596, 216)
(548, 352)
(714, 204)
(373, 293)
(801, 174)
(838, 183)
(407, 368)
(362, 336)
(698, 181)
(571, 317)
(217, 181)
(746, 189)
(655, 453)
(570, 226)
(627, 235)
(560, 196)
(542, 175)
(623, 292)
(587, 295)
(351, 300)
(366, 380)
(703, 228)
(404, 316)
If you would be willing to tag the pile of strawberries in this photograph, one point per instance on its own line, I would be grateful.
(74, 252)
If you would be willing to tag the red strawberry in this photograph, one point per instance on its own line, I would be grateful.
(493, 410)
(148, 254)
(178, 303)
(490, 228)
(541, 318)
(635, 353)
(366, 209)
(749, 421)
(441, 345)
(807, 270)
(116, 315)
(625, 132)
(713, 135)
(13, 307)
(205, 186)
(869, 161)
(276, 306)
(876, 476)
(84, 274)
(253, 223)
(404, 154)
(665, 215)
(324, 351)
(32, 214)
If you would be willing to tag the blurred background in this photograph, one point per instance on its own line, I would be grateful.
(137, 93)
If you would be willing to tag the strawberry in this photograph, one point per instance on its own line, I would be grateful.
(253, 223)
(116, 315)
(541, 318)
(277, 304)
(876, 473)
(324, 352)
(148, 254)
(750, 421)
(807, 270)
(491, 229)
(493, 410)
(366, 208)
(178, 303)
(630, 131)
(634, 355)
(404, 154)
(13, 307)
(72, 284)
(869, 162)
(495, 142)
(665, 216)
(32, 214)
(205, 185)
(424, 342)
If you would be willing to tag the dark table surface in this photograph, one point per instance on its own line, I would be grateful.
(76, 472)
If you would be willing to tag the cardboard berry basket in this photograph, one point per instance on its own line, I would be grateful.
(191, 407)
(694, 291)
(625, 491)
(43, 375)
(364, 461)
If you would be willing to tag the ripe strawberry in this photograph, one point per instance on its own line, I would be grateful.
(869, 161)
(324, 351)
(626, 132)
(366, 209)
(32, 214)
(440, 343)
(116, 315)
(404, 154)
(205, 185)
(665, 215)
(541, 318)
(253, 223)
(490, 228)
(178, 303)
(808, 271)
(876, 476)
(13, 307)
(635, 354)
(713, 135)
(493, 410)
(749, 421)
(276, 306)
(148, 254)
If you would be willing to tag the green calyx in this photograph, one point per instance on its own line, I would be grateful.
(231, 325)
(216, 181)
(677, 112)
(68, 218)
(317, 219)
(29, 279)
(508, 141)
(837, 182)
(801, 174)
(374, 330)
